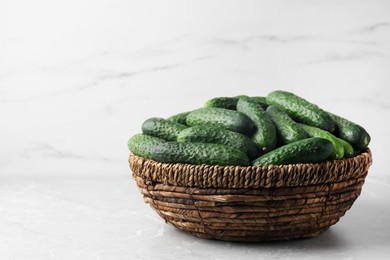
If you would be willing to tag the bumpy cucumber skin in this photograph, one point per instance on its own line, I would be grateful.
(141, 144)
(162, 128)
(265, 133)
(261, 100)
(311, 150)
(222, 102)
(338, 148)
(348, 148)
(231, 102)
(351, 132)
(301, 110)
(229, 119)
(288, 130)
(219, 135)
(179, 118)
(199, 153)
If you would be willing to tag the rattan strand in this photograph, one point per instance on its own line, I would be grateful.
(214, 176)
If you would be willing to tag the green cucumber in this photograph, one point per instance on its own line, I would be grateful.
(240, 96)
(231, 102)
(179, 118)
(229, 119)
(288, 130)
(348, 148)
(162, 128)
(219, 135)
(265, 133)
(222, 102)
(301, 110)
(311, 150)
(338, 148)
(141, 144)
(351, 132)
(261, 100)
(199, 153)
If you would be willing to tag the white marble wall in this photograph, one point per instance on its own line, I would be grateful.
(78, 78)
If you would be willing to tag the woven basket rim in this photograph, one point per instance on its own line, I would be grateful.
(215, 176)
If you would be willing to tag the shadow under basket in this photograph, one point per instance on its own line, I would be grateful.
(254, 203)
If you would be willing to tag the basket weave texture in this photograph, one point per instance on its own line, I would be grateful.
(254, 203)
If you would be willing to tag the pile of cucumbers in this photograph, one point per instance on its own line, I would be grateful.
(281, 128)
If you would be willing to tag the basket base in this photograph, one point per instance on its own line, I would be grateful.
(260, 237)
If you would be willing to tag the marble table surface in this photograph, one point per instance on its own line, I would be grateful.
(78, 78)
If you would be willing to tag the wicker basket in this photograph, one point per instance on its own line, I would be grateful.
(254, 203)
